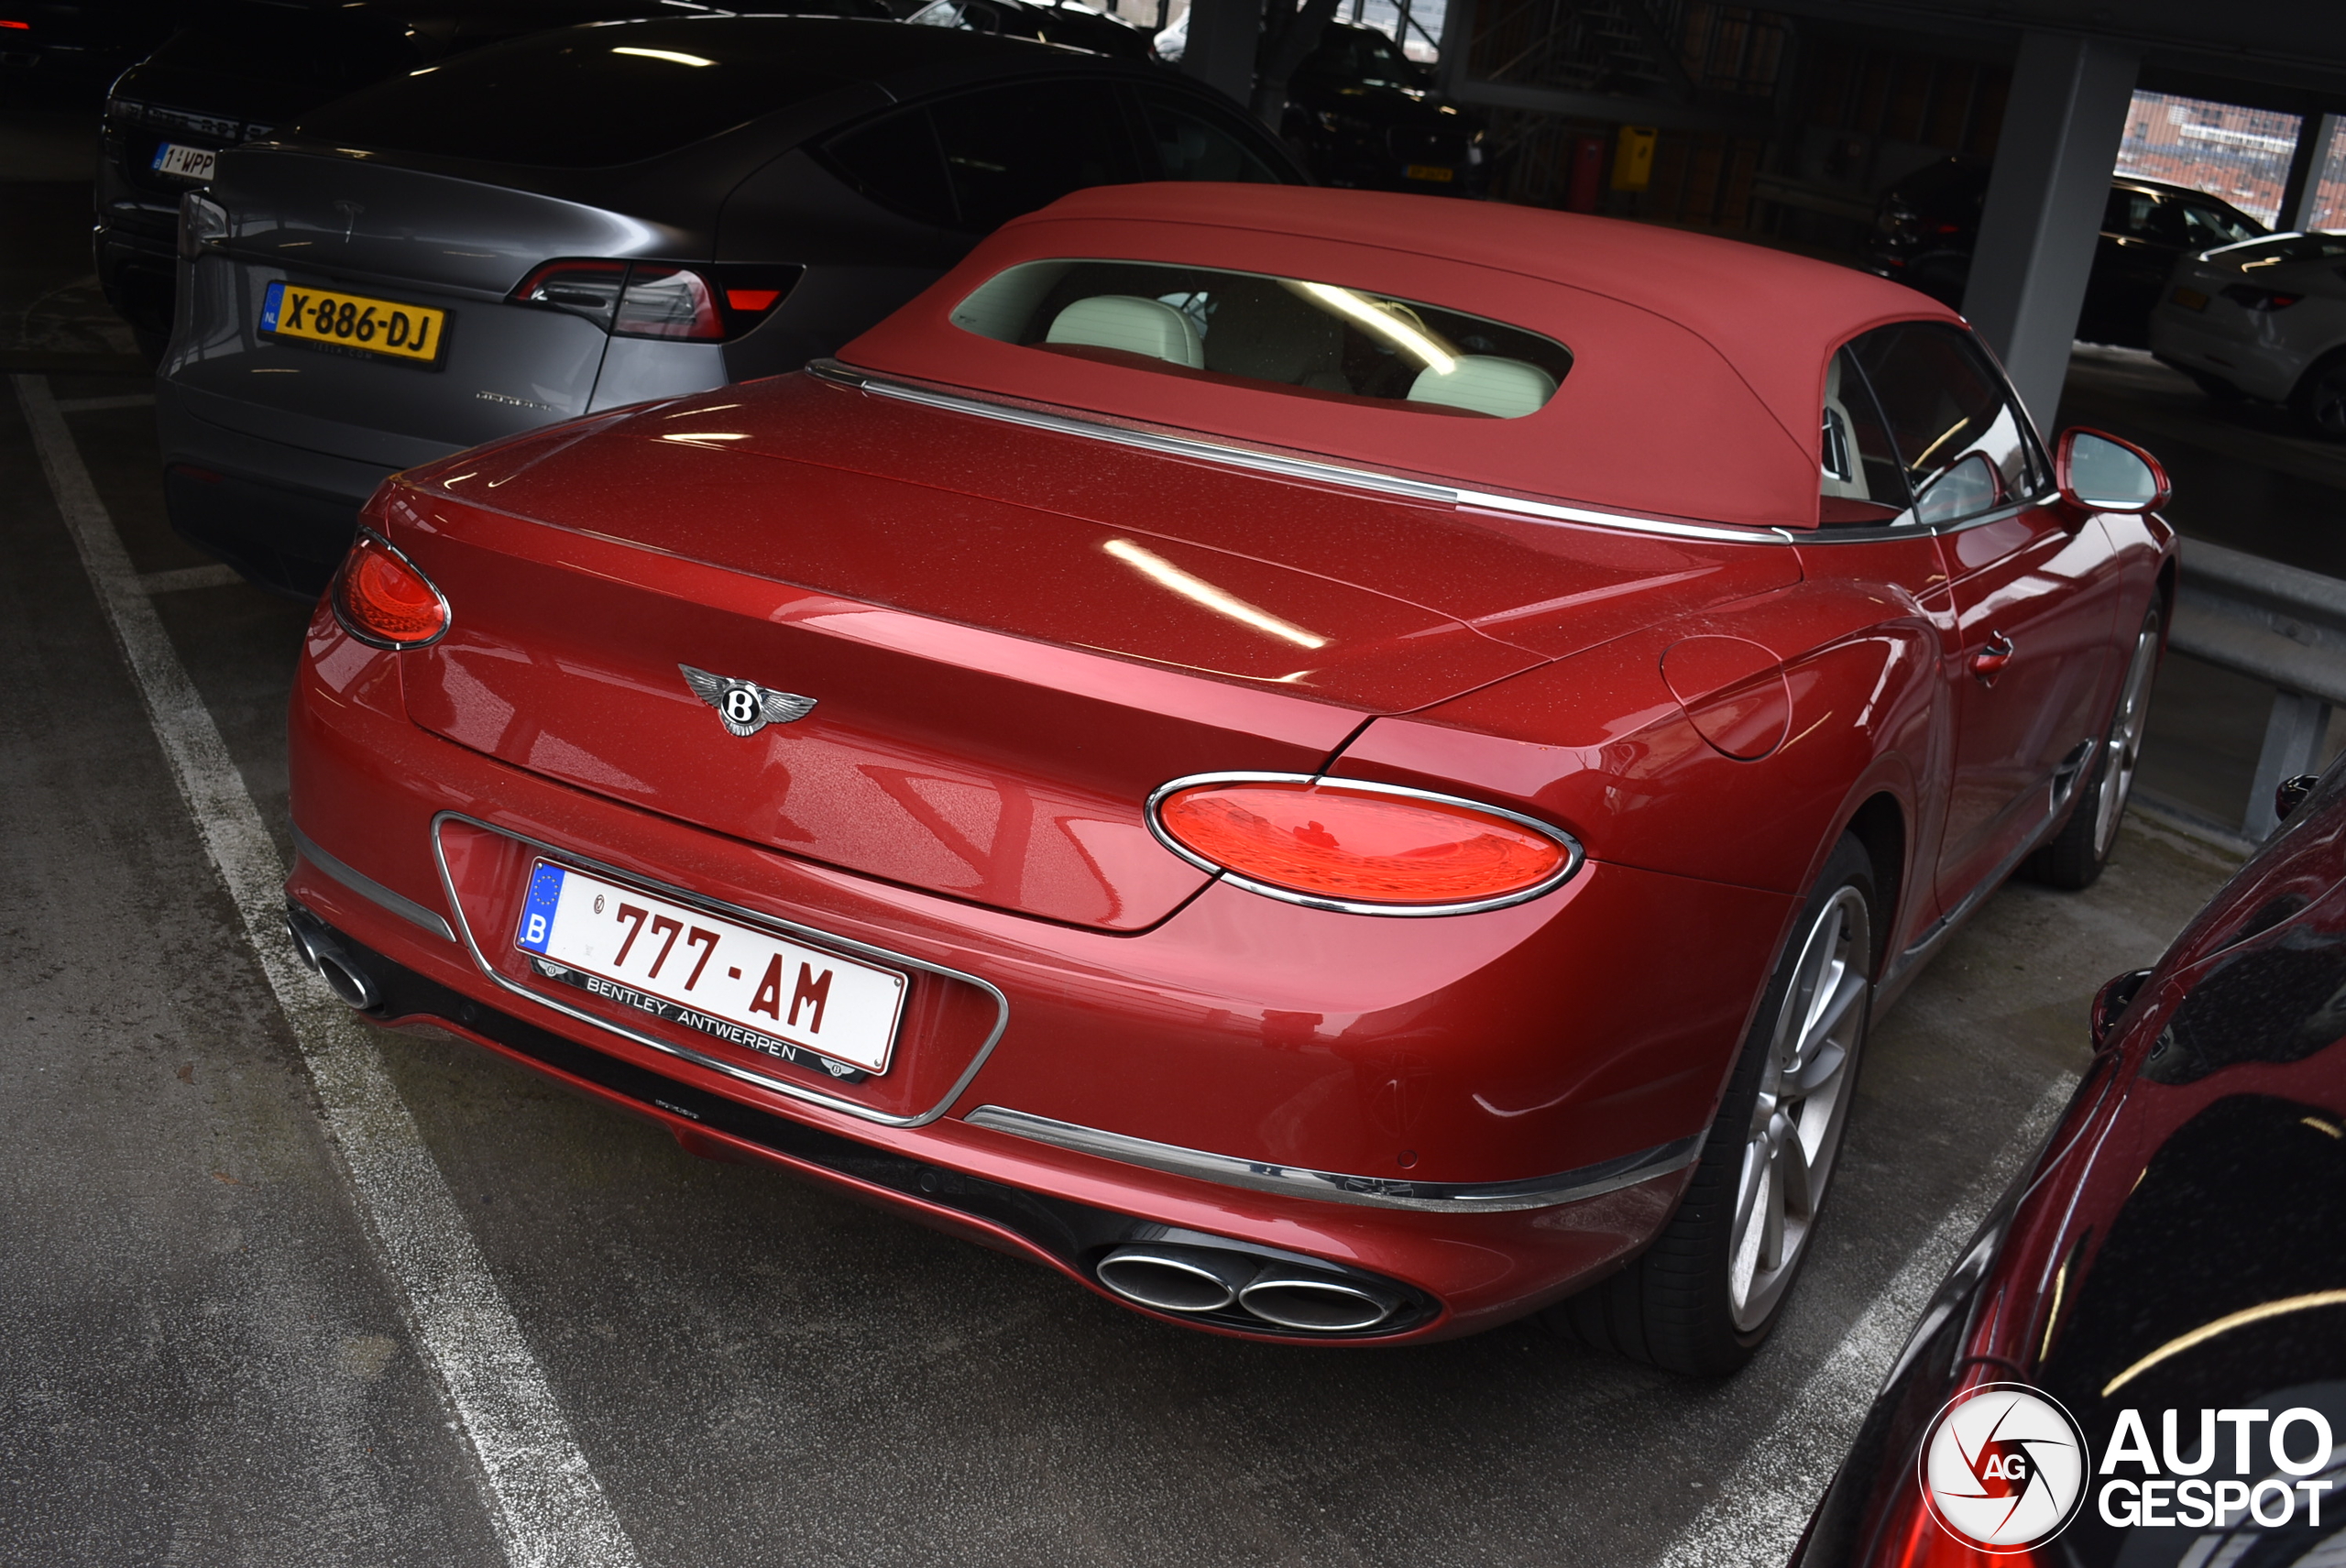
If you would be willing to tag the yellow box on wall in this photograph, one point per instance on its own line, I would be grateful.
(1633, 158)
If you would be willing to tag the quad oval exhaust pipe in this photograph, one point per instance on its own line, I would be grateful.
(1195, 1279)
(317, 952)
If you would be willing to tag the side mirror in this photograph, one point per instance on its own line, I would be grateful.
(2110, 1005)
(2101, 473)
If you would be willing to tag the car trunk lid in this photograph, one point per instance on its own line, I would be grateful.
(997, 688)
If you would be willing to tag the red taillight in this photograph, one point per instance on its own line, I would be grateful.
(1376, 848)
(646, 299)
(381, 599)
(21, 27)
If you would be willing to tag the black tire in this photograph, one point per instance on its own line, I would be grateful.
(2073, 857)
(1676, 1306)
(2319, 401)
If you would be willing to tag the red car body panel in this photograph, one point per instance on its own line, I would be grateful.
(998, 689)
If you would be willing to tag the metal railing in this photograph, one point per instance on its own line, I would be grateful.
(2277, 624)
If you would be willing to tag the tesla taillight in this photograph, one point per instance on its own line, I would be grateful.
(589, 288)
(667, 301)
(2255, 299)
(1370, 849)
(381, 599)
(647, 298)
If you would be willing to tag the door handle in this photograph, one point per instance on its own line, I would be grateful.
(1993, 655)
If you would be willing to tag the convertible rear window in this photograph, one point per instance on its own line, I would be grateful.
(584, 97)
(1280, 334)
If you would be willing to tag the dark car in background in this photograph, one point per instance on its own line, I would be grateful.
(2171, 1274)
(61, 53)
(1362, 114)
(235, 71)
(602, 214)
(1927, 224)
(1062, 22)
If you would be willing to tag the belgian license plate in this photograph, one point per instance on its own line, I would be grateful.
(187, 162)
(2191, 299)
(1439, 174)
(413, 332)
(753, 988)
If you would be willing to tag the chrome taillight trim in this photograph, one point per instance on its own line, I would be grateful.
(1334, 1186)
(333, 598)
(1575, 856)
(819, 938)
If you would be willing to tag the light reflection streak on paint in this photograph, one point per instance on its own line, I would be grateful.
(1199, 591)
(2224, 1324)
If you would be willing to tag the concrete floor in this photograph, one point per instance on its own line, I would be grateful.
(208, 1356)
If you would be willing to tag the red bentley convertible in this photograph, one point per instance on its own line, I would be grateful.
(1334, 766)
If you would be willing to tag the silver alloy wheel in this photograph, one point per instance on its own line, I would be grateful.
(2125, 741)
(1802, 1103)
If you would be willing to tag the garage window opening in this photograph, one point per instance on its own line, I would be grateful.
(1297, 337)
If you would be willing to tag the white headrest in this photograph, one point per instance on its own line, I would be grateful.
(1132, 323)
(1488, 384)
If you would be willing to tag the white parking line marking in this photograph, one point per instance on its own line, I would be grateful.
(1759, 1509)
(186, 578)
(546, 1504)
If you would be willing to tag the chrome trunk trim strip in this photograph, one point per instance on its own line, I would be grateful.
(820, 938)
(1287, 467)
(1330, 1187)
(368, 887)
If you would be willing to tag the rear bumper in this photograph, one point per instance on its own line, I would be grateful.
(1546, 1134)
(281, 514)
(2189, 341)
(137, 270)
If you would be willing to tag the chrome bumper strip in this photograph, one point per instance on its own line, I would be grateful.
(366, 886)
(1372, 1192)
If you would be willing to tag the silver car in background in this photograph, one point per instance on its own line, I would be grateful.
(598, 216)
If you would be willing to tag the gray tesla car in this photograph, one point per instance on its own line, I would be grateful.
(598, 216)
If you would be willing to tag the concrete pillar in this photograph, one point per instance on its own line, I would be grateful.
(1224, 35)
(2054, 158)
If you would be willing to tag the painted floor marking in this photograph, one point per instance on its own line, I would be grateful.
(186, 578)
(1758, 1509)
(546, 1507)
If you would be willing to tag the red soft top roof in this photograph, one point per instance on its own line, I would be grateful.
(1698, 368)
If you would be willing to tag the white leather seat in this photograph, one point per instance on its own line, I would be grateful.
(1487, 383)
(1132, 323)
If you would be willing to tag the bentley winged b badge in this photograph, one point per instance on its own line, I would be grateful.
(744, 705)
